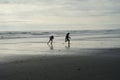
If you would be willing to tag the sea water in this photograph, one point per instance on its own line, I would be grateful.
(35, 42)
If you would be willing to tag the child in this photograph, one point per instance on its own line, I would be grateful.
(51, 39)
(67, 38)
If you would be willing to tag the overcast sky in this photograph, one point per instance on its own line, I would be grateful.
(58, 14)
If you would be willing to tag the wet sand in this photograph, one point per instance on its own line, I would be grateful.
(100, 65)
(38, 61)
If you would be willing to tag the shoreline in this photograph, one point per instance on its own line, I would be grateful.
(68, 52)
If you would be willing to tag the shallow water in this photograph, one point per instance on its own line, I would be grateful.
(33, 45)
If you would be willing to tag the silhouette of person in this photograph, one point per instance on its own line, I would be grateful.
(51, 39)
(67, 38)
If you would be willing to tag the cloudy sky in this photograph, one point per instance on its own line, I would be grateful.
(58, 14)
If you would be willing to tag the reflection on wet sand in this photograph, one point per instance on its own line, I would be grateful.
(67, 46)
(50, 46)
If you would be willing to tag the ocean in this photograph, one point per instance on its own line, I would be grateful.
(21, 43)
(82, 34)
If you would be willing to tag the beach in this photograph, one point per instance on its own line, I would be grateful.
(59, 40)
(97, 66)
(87, 58)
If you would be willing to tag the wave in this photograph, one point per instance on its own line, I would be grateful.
(41, 34)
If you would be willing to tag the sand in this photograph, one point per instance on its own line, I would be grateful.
(99, 64)
(37, 61)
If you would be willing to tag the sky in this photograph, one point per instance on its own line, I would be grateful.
(17, 15)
